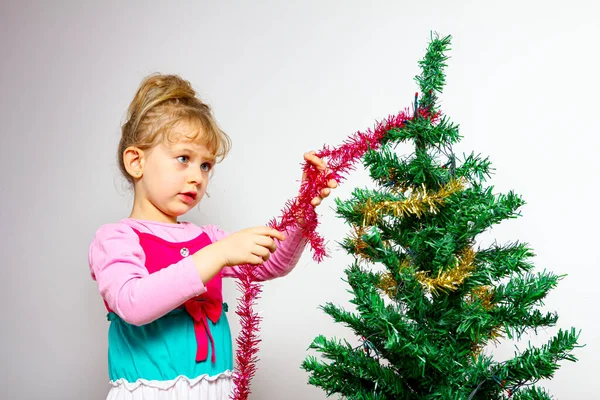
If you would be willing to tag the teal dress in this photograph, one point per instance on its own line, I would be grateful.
(185, 354)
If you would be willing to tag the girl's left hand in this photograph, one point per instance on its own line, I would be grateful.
(322, 166)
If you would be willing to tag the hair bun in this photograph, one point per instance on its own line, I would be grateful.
(157, 89)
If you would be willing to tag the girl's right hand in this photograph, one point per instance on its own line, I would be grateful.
(249, 246)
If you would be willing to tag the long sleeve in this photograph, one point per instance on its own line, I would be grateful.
(117, 261)
(281, 262)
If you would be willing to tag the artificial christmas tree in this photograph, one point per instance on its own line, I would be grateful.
(428, 299)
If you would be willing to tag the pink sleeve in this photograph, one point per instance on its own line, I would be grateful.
(281, 262)
(117, 263)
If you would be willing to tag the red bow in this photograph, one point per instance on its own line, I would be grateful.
(201, 308)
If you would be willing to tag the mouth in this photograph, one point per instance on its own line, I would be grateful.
(188, 197)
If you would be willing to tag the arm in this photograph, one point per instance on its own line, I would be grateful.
(281, 262)
(117, 263)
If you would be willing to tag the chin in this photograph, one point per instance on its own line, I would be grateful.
(174, 213)
(179, 213)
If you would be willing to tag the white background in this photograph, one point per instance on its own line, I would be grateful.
(283, 79)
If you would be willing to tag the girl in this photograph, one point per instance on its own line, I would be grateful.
(160, 278)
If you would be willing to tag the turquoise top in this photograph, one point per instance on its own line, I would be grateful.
(165, 348)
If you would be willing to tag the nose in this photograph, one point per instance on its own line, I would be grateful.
(195, 177)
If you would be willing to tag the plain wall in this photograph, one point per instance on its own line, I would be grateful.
(283, 79)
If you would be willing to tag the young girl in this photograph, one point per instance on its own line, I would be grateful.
(160, 278)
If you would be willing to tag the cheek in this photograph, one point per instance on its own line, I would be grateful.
(160, 178)
(169, 175)
(164, 180)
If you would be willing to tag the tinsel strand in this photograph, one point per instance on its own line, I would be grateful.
(339, 161)
(248, 339)
(418, 203)
(452, 278)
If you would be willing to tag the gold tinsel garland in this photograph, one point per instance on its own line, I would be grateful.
(419, 202)
(452, 278)
(445, 280)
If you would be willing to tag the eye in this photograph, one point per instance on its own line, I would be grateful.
(206, 166)
(183, 159)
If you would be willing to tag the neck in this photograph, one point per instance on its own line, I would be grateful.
(143, 209)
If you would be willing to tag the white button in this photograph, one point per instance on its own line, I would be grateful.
(185, 252)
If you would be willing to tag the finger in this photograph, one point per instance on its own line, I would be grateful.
(332, 183)
(262, 252)
(267, 231)
(267, 242)
(255, 260)
(274, 233)
(316, 201)
(325, 192)
(316, 161)
(309, 156)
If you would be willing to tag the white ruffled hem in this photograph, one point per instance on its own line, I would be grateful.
(217, 387)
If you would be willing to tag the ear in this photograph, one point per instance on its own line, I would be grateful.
(134, 159)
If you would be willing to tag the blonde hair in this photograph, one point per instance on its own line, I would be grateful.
(161, 103)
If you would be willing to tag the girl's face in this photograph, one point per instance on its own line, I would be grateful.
(175, 177)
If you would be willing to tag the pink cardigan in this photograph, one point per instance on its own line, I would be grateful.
(117, 263)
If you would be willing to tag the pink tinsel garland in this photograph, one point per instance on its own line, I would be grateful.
(339, 161)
